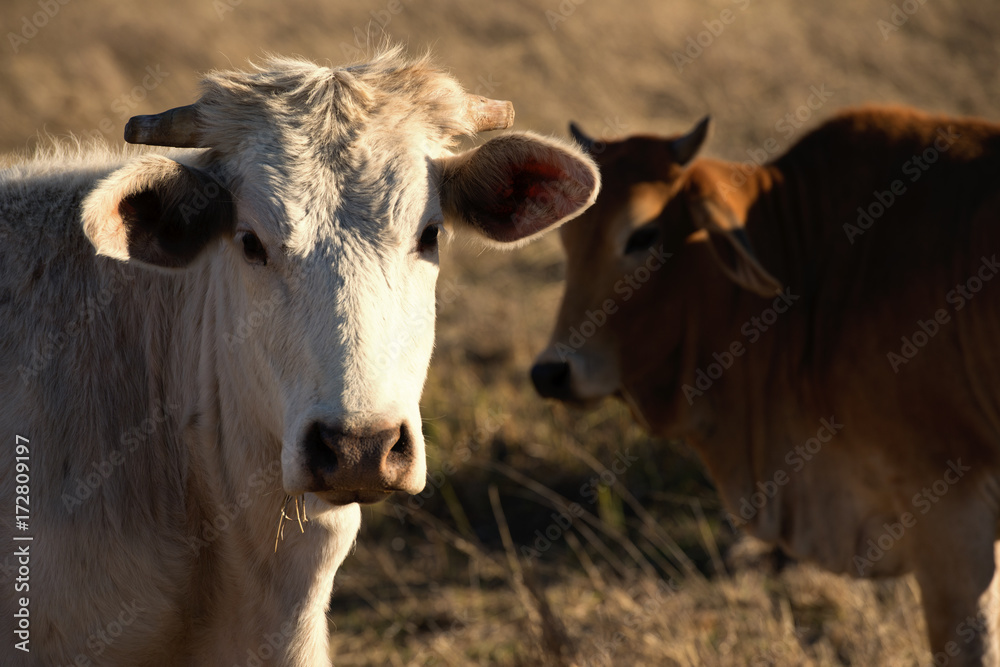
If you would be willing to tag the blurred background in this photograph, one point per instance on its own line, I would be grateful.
(492, 564)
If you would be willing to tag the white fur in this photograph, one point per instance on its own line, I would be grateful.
(196, 385)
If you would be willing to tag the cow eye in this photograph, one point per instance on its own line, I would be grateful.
(641, 239)
(428, 238)
(253, 249)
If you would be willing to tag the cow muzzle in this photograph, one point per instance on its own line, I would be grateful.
(361, 464)
(552, 380)
(581, 379)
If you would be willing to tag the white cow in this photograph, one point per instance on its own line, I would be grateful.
(256, 324)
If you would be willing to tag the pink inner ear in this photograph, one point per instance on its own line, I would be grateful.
(126, 210)
(530, 181)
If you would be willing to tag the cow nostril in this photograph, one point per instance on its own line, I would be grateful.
(402, 445)
(320, 447)
(551, 379)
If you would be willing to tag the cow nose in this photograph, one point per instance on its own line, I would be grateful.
(369, 461)
(551, 379)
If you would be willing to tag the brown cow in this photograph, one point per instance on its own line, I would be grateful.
(823, 329)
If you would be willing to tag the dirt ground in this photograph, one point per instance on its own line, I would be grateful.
(651, 574)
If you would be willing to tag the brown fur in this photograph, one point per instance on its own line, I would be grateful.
(827, 355)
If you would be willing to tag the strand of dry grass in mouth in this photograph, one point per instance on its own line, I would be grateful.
(300, 517)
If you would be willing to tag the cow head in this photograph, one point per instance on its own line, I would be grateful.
(311, 225)
(664, 235)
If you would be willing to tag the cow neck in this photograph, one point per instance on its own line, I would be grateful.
(235, 495)
(225, 431)
(741, 427)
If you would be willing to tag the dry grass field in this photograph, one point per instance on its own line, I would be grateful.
(484, 567)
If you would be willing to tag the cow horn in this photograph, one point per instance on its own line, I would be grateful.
(179, 127)
(581, 138)
(685, 147)
(487, 114)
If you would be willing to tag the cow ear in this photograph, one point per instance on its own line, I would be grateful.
(157, 212)
(731, 246)
(517, 185)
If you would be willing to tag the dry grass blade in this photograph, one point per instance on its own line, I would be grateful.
(650, 527)
(303, 517)
(708, 539)
(286, 517)
(588, 564)
(562, 504)
(609, 556)
(469, 547)
(554, 639)
(281, 524)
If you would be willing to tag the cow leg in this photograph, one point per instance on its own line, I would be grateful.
(956, 569)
